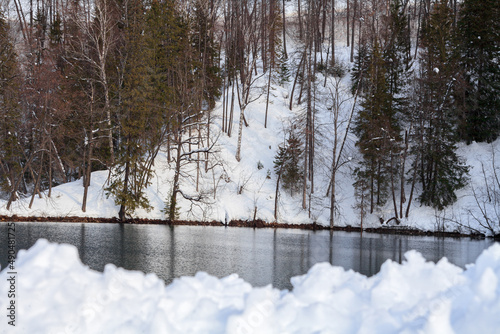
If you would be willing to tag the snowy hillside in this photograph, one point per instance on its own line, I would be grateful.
(226, 188)
(246, 190)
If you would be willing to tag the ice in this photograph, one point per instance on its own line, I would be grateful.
(56, 293)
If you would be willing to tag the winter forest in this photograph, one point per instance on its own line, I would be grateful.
(369, 97)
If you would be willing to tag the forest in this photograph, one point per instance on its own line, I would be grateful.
(108, 85)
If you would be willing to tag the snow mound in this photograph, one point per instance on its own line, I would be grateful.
(56, 293)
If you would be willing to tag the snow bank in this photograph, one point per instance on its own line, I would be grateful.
(56, 293)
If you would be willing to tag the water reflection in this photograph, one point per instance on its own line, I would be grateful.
(260, 256)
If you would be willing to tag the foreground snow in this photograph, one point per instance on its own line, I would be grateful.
(56, 293)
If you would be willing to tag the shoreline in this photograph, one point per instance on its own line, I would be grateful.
(391, 230)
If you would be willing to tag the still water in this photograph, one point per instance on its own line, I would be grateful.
(260, 256)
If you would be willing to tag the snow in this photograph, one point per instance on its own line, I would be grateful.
(56, 293)
(243, 190)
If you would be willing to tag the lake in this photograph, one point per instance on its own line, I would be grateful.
(260, 256)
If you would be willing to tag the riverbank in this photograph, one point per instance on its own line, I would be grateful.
(394, 230)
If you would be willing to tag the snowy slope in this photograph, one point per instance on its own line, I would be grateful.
(246, 189)
(56, 293)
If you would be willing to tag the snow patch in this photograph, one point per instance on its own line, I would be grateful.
(58, 294)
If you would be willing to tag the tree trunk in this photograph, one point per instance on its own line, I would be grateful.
(402, 182)
(332, 33)
(284, 32)
(240, 134)
(123, 205)
(393, 187)
(37, 183)
(353, 30)
(301, 33)
(348, 22)
(86, 179)
(296, 79)
(175, 188)
(276, 195)
(267, 98)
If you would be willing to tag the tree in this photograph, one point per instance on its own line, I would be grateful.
(339, 140)
(10, 114)
(398, 74)
(97, 38)
(195, 77)
(397, 54)
(478, 28)
(378, 131)
(91, 37)
(441, 172)
(287, 167)
(287, 163)
(131, 172)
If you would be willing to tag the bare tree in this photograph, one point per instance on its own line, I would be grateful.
(94, 46)
(339, 125)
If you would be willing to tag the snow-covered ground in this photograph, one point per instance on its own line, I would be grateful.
(56, 293)
(246, 189)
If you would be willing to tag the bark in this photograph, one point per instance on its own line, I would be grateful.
(403, 179)
(37, 183)
(348, 23)
(393, 187)
(353, 30)
(88, 174)
(284, 32)
(175, 187)
(299, 12)
(332, 33)
(240, 134)
(123, 208)
(296, 79)
(267, 98)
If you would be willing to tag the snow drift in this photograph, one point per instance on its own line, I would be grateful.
(56, 293)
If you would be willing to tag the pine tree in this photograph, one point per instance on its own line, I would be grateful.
(398, 65)
(441, 171)
(287, 164)
(10, 113)
(360, 68)
(377, 130)
(478, 34)
(131, 172)
(165, 38)
(205, 48)
(283, 69)
(397, 55)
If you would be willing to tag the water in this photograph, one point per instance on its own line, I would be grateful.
(260, 256)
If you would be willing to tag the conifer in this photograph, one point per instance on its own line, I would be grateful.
(478, 34)
(441, 171)
(377, 129)
(10, 113)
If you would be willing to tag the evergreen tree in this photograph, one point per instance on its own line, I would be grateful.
(441, 172)
(360, 68)
(479, 37)
(378, 131)
(283, 69)
(287, 164)
(131, 172)
(398, 63)
(205, 47)
(397, 56)
(10, 112)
